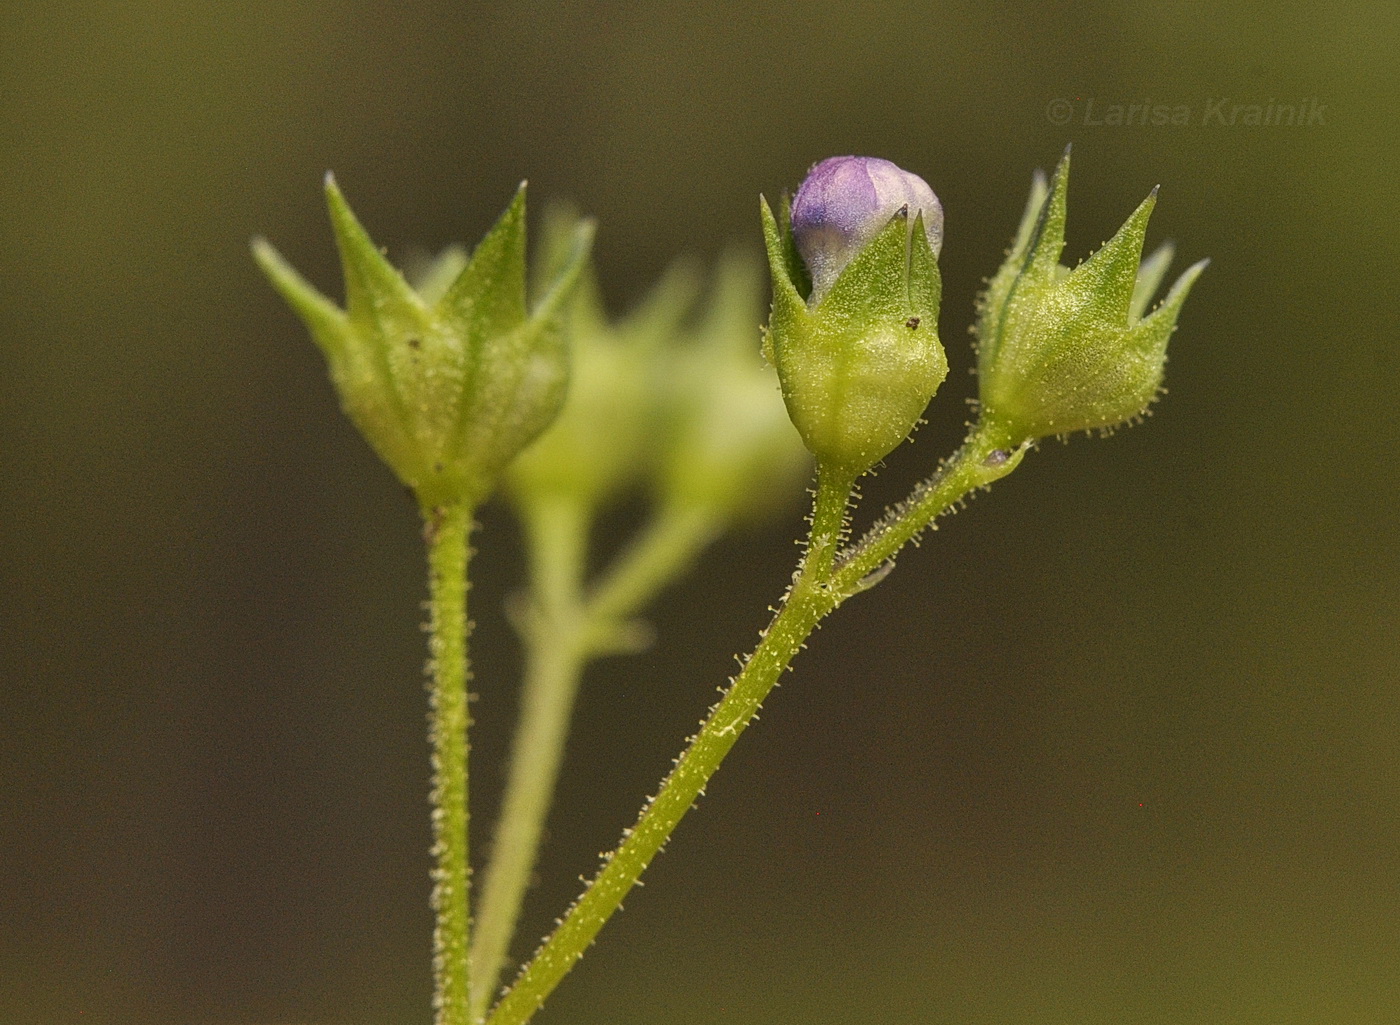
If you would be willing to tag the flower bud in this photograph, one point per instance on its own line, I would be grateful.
(604, 437)
(449, 383)
(858, 359)
(730, 449)
(845, 202)
(1063, 350)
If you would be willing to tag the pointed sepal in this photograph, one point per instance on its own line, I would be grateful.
(488, 297)
(1149, 279)
(450, 382)
(521, 377)
(375, 292)
(1061, 350)
(327, 322)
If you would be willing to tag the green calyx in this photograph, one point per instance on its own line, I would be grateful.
(859, 366)
(450, 381)
(1063, 350)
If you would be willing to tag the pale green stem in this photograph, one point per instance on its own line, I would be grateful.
(446, 530)
(821, 585)
(556, 538)
(829, 507)
(562, 633)
(660, 554)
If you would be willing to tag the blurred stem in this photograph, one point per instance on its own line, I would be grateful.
(662, 552)
(446, 530)
(562, 632)
(823, 581)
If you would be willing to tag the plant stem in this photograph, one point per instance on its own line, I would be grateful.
(806, 604)
(985, 456)
(800, 613)
(829, 506)
(556, 536)
(562, 633)
(675, 535)
(823, 581)
(446, 530)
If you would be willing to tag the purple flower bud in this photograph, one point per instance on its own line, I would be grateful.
(845, 201)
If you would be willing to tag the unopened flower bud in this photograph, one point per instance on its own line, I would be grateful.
(447, 383)
(1063, 350)
(845, 202)
(858, 358)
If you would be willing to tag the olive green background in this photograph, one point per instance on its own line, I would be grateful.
(1119, 744)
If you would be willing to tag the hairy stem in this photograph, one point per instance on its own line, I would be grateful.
(985, 456)
(446, 530)
(556, 537)
(800, 613)
(562, 633)
(825, 578)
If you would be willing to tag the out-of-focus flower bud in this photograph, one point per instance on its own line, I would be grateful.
(604, 438)
(1063, 350)
(731, 450)
(449, 383)
(859, 358)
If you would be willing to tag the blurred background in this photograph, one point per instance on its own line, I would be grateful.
(1121, 743)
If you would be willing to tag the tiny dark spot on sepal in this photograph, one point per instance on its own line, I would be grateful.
(912, 323)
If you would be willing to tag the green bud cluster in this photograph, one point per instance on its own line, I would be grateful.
(1063, 350)
(448, 382)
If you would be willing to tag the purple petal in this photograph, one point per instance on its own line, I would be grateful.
(845, 201)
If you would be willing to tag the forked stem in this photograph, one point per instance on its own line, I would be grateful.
(825, 578)
(562, 631)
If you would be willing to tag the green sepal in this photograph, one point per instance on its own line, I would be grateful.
(433, 277)
(446, 391)
(518, 377)
(1149, 279)
(355, 342)
(859, 367)
(1047, 236)
(1061, 350)
(792, 259)
(893, 275)
(327, 322)
(553, 250)
(788, 302)
(1148, 337)
(992, 302)
(375, 292)
(488, 298)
